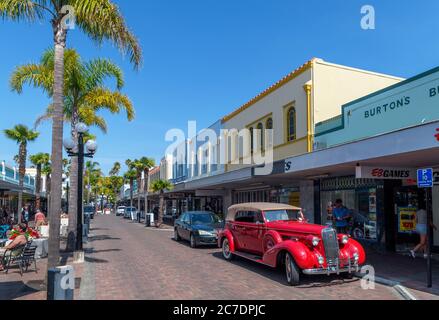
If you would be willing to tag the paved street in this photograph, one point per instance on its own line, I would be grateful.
(125, 260)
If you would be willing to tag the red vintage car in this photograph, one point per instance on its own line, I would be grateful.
(277, 235)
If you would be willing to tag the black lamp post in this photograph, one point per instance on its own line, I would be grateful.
(91, 148)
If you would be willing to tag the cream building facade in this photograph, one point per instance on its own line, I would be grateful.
(291, 107)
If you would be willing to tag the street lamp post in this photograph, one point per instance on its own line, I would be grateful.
(91, 148)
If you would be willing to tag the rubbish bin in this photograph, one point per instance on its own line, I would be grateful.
(61, 283)
(150, 219)
(86, 226)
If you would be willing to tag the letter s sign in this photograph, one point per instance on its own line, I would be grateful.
(287, 166)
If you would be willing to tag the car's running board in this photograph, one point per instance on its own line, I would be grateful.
(251, 257)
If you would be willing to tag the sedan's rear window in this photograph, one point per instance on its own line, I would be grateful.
(282, 215)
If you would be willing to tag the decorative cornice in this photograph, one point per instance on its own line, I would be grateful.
(269, 90)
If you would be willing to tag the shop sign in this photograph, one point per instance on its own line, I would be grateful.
(385, 173)
(407, 219)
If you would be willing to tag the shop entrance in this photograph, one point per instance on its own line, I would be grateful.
(406, 204)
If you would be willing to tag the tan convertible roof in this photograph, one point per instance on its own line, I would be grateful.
(257, 206)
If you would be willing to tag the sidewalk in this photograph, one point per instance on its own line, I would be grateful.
(31, 286)
(406, 271)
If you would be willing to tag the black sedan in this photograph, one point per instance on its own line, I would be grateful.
(199, 228)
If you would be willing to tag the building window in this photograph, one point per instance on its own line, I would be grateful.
(261, 132)
(291, 119)
(269, 124)
(251, 140)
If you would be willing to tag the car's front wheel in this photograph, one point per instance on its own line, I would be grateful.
(176, 235)
(227, 253)
(291, 270)
(193, 241)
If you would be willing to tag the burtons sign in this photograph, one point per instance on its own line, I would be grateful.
(385, 173)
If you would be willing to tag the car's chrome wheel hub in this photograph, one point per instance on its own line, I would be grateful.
(226, 249)
(288, 267)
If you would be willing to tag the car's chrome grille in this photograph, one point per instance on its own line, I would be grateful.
(332, 249)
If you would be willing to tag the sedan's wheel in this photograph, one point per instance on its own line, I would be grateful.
(193, 241)
(176, 235)
(227, 254)
(292, 271)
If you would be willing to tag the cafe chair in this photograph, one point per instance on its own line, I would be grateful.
(22, 256)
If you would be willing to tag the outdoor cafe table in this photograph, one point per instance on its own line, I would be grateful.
(41, 244)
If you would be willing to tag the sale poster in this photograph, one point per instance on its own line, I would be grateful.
(407, 219)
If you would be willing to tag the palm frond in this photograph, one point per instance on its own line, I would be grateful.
(114, 102)
(35, 75)
(102, 20)
(99, 69)
(18, 10)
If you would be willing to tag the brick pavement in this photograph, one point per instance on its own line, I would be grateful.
(126, 261)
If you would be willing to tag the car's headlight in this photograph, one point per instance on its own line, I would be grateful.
(321, 260)
(315, 241)
(205, 233)
(344, 239)
(356, 257)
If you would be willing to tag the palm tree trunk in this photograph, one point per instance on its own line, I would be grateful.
(73, 194)
(161, 208)
(57, 147)
(131, 193)
(21, 173)
(145, 192)
(139, 182)
(38, 188)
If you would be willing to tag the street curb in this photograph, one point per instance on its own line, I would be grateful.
(401, 290)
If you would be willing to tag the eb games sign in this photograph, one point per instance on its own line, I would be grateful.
(386, 173)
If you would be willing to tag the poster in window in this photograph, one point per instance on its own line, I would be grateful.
(372, 201)
(407, 219)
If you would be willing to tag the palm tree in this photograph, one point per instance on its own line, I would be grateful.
(145, 164)
(129, 177)
(47, 171)
(92, 172)
(39, 160)
(85, 94)
(22, 135)
(100, 20)
(138, 167)
(160, 186)
(116, 169)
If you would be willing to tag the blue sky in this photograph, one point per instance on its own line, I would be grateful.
(204, 58)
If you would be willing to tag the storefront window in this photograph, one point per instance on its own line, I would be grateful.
(359, 197)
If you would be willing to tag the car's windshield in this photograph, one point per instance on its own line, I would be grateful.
(204, 218)
(130, 209)
(89, 209)
(282, 215)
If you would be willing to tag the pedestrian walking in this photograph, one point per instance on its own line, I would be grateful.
(422, 223)
(25, 214)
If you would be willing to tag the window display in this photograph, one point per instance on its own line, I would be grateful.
(360, 198)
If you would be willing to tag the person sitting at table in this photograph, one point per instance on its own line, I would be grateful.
(19, 241)
(40, 219)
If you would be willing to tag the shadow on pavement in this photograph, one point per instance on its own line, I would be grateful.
(187, 244)
(279, 276)
(16, 289)
(91, 250)
(95, 260)
(102, 238)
